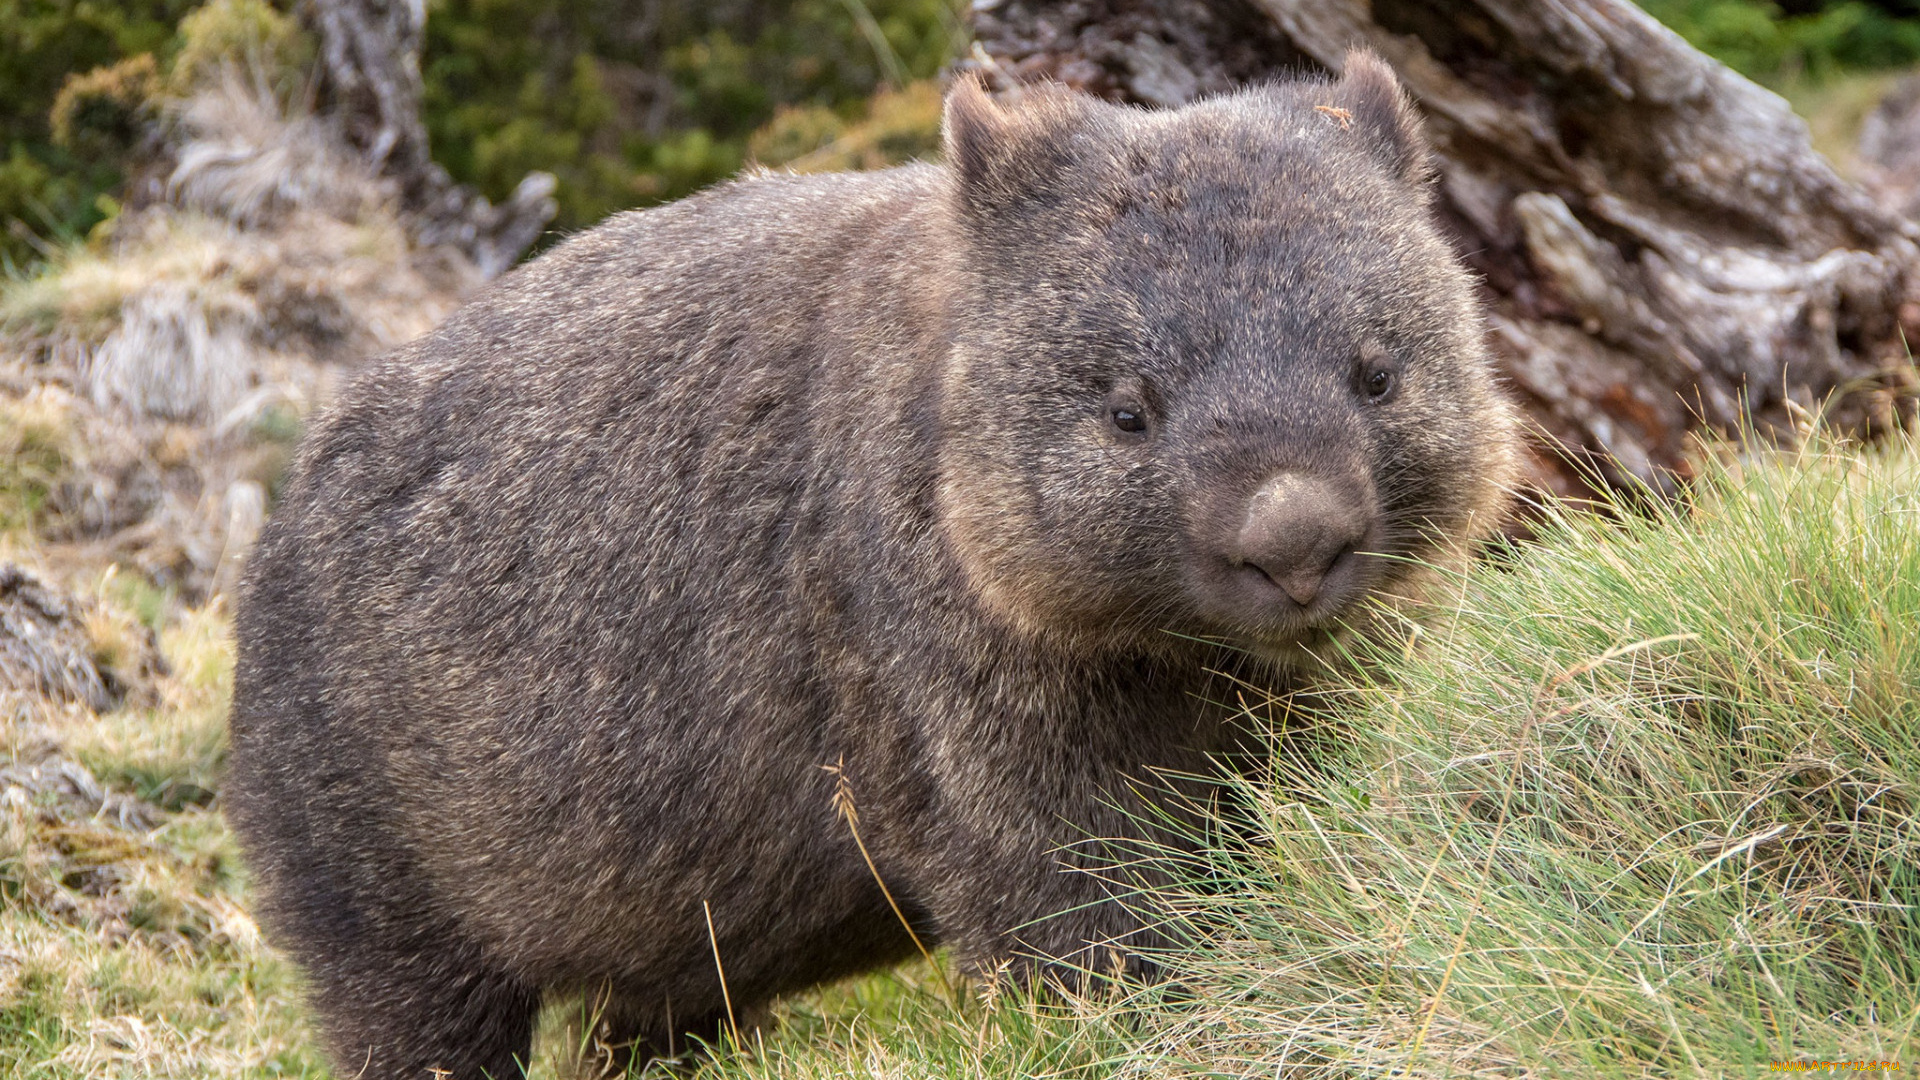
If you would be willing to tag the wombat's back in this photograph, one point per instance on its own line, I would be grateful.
(533, 599)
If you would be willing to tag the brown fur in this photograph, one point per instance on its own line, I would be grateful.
(567, 605)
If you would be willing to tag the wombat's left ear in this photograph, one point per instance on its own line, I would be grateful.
(1380, 109)
(1002, 155)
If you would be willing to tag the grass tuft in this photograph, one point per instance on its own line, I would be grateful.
(125, 944)
(1642, 805)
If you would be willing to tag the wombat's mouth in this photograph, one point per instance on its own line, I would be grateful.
(1271, 601)
(1313, 594)
(1268, 599)
(1292, 555)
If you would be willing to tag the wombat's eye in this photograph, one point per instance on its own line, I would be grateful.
(1129, 420)
(1126, 407)
(1377, 374)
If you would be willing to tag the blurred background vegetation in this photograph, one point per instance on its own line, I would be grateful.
(626, 102)
(629, 103)
(1778, 43)
(633, 102)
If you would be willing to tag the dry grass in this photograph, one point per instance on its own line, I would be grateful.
(153, 380)
(125, 946)
(277, 254)
(1643, 805)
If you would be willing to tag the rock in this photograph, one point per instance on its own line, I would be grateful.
(52, 648)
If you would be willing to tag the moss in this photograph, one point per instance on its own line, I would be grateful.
(229, 33)
(895, 126)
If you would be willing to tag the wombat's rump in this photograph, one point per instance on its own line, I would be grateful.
(959, 479)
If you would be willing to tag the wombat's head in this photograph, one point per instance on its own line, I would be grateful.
(1216, 371)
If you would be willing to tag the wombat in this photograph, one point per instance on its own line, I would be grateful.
(960, 490)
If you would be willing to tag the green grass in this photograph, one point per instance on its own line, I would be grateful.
(1635, 801)
(1642, 805)
(125, 945)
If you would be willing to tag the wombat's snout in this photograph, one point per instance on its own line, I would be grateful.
(1300, 535)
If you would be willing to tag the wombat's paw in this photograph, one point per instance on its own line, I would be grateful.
(1090, 971)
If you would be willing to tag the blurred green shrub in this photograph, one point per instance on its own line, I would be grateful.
(630, 104)
(627, 103)
(898, 125)
(1808, 38)
(228, 35)
(50, 193)
(102, 115)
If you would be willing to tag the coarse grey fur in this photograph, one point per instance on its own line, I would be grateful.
(958, 479)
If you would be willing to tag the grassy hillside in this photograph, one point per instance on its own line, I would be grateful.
(1642, 805)
(1637, 800)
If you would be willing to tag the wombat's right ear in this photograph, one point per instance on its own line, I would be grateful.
(1379, 107)
(1003, 155)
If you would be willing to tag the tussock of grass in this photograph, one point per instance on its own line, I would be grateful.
(37, 444)
(1643, 806)
(178, 505)
(186, 312)
(275, 253)
(153, 378)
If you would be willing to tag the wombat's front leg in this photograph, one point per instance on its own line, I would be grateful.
(1030, 893)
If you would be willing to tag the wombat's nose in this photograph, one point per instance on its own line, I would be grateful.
(1299, 531)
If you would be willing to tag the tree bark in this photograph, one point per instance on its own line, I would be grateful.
(1661, 247)
(370, 84)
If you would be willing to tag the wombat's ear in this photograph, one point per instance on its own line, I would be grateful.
(1004, 154)
(1380, 109)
